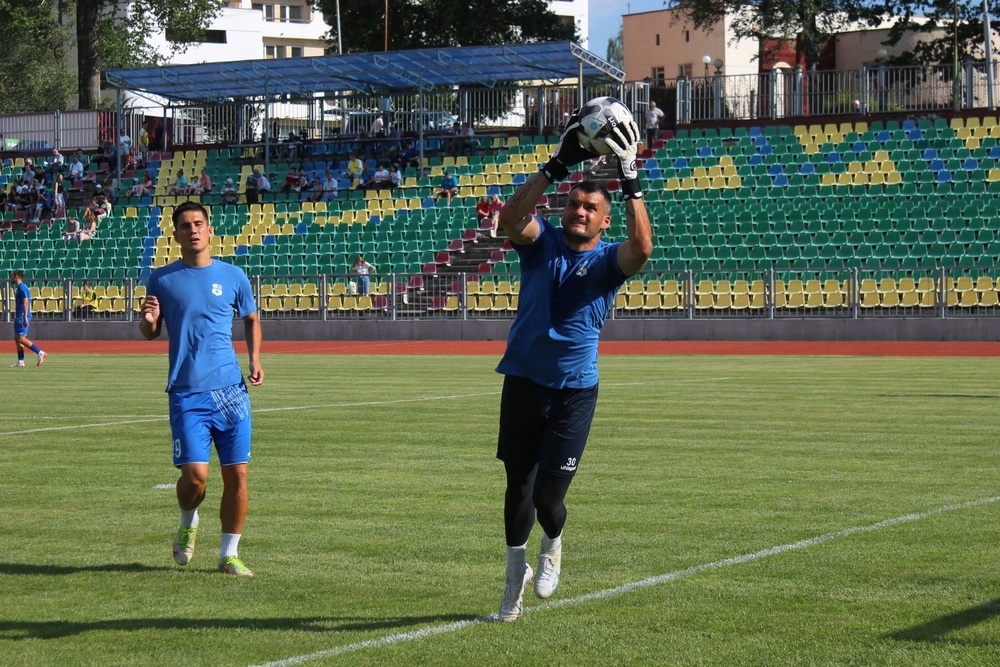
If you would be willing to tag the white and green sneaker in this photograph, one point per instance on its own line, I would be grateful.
(512, 603)
(548, 574)
(184, 544)
(233, 565)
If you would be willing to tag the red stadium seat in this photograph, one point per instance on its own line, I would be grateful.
(443, 257)
(456, 245)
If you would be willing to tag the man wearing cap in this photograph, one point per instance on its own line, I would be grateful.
(136, 190)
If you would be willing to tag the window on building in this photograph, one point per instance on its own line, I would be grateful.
(275, 52)
(295, 51)
(658, 77)
(687, 35)
(210, 37)
(657, 39)
(685, 70)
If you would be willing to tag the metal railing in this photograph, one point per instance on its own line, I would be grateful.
(877, 292)
(878, 88)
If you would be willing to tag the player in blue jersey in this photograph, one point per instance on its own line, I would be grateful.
(195, 298)
(569, 279)
(22, 319)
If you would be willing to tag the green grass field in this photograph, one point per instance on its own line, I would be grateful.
(862, 492)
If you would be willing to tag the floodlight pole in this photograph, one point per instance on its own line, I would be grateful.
(340, 44)
(989, 56)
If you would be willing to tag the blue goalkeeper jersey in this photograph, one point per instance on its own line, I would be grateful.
(564, 299)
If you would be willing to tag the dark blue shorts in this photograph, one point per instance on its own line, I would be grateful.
(543, 426)
(198, 419)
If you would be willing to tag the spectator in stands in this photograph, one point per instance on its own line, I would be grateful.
(468, 139)
(203, 185)
(410, 157)
(327, 191)
(72, 230)
(99, 204)
(354, 168)
(181, 187)
(377, 125)
(43, 203)
(367, 174)
(495, 206)
(305, 186)
(88, 297)
(361, 268)
(449, 187)
(54, 164)
(89, 230)
(380, 180)
(4, 201)
(148, 184)
(129, 164)
(143, 145)
(76, 169)
(136, 190)
(28, 173)
(483, 211)
(291, 181)
(395, 177)
(230, 195)
(654, 116)
(124, 144)
(59, 192)
(257, 184)
(25, 197)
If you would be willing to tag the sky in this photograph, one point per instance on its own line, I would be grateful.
(606, 19)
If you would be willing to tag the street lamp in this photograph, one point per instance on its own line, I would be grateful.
(706, 60)
(718, 64)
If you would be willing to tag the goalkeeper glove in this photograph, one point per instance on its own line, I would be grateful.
(568, 153)
(624, 143)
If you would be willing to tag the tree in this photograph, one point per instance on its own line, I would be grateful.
(110, 35)
(806, 22)
(616, 49)
(951, 26)
(34, 46)
(416, 24)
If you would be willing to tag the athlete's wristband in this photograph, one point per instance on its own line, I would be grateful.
(631, 189)
(554, 170)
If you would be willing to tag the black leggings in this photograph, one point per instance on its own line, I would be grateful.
(530, 491)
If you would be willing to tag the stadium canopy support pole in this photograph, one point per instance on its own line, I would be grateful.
(121, 124)
(420, 122)
(579, 86)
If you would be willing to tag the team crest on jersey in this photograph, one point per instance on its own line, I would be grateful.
(216, 289)
(582, 271)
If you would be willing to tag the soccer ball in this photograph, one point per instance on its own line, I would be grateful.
(598, 119)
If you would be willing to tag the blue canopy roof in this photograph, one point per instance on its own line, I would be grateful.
(551, 62)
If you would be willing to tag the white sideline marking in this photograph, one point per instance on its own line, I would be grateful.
(418, 399)
(166, 486)
(630, 587)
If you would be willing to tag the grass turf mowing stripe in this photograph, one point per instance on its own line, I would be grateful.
(632, 586)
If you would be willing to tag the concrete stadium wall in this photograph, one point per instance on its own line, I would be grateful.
(885, 329)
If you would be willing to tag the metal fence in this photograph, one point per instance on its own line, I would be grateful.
(766, 294)
(879, 88)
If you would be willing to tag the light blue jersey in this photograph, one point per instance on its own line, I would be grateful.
(564, 299)
(197, 305)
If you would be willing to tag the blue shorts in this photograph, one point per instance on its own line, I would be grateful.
(544, 427)
(19, 328)
(198, 419)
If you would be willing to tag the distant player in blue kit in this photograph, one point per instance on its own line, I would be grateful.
(22, 319)
(569, 279)
(195, 299)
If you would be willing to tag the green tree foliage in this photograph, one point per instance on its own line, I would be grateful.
(417, 24)
(33, 45)
(616, 50)
(108, 37)
(806, 22)
(937, 19)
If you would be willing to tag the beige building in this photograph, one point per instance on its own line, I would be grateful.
(664, 44)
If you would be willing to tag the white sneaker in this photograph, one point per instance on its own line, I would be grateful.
(548, 573)
(19, 364)
(512, 605)
(41, 357)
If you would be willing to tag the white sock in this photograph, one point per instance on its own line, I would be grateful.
(230, 545)
(189, 518)
(551, 545)
(516, 562)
